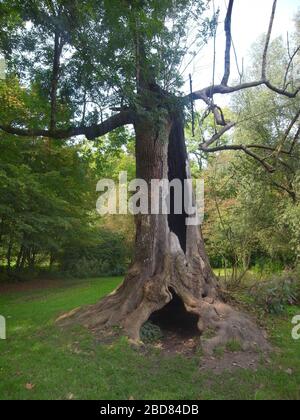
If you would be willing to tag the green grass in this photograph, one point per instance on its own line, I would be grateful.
(62, 365)
(234, 346)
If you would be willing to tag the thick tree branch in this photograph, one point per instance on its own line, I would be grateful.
(209, 91)
(283, 92)
(227, 65)
(91, 132)
(241, 148)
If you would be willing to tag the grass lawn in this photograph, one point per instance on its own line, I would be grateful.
(39, 361)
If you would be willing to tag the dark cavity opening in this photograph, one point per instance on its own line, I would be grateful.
(175, 319)
(177, 158)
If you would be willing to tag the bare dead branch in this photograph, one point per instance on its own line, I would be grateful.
(217, 136)
(192, 106)
(241, 148)
(223, 88)
(205, 147)
(268, 39)
(240, 70)
(287, 132)
(207, 94)
(285, 84)
(219, 116)
(283, 92)
(227, 64)
(267, 148)
(296, 138)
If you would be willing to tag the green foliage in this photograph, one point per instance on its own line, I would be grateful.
(47, 219)
(234, 346)
(151, 333)
(108, 255)
(47, 189)
(219, 352)
(252, 216)
(101, 46)
(290, 222)
(45, 198)
(273, 295)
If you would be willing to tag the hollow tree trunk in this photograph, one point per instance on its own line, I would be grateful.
(170, 259)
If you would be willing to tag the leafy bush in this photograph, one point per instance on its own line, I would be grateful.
(150, 333)
(109, 255)
(272, 296)
(264, 265)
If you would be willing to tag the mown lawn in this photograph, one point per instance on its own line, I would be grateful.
(39, 361)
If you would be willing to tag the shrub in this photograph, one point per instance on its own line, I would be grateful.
(150, 333)
(274, 295)
(109, 255)
(267, 266)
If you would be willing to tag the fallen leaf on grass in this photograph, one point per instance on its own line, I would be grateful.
(29, 387)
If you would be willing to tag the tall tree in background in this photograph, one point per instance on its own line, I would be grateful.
(249, 209)
(72, 58)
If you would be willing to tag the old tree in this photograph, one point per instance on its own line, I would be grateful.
(99, 65)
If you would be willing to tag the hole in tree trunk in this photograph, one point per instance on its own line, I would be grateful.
(177, 159)
(174, 319)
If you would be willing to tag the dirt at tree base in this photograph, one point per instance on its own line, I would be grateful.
(173, 344)
(31, 285)
(187, 345)
(230, 362)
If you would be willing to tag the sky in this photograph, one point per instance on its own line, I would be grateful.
(250, 21)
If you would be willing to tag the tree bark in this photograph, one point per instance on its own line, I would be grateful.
(9, 255)
(170, 261)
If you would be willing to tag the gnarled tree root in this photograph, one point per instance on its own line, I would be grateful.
(227, 325)
(133, 303)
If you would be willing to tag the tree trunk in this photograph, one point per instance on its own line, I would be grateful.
(170, 263)
(20, 253)
(9, 255)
